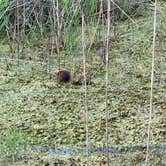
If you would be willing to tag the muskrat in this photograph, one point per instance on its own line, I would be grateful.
(63, 76)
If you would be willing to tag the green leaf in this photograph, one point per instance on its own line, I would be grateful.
(66, 4)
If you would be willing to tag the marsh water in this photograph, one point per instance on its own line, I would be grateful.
(42, 122)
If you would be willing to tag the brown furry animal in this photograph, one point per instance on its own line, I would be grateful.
(63, 76)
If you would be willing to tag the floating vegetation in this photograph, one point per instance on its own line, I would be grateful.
(42, 122)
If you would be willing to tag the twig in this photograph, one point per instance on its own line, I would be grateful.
(123, 11)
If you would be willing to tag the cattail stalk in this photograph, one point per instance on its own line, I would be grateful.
(18, 32)
(107, 79)
(152, 85)
(85, 86)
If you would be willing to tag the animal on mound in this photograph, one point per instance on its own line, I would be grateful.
(75, 76)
